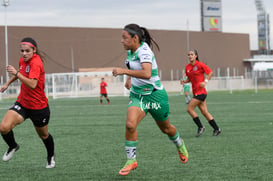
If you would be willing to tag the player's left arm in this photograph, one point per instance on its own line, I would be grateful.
(31, 83)
(209, 73)
(34, 74)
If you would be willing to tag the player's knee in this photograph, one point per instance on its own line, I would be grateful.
(4, 128)
(43, 136)
(205, 113)
(130, 126)
(189, 110)
(165, 130)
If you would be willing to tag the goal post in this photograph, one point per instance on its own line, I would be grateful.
(227, 83)
(84, 84)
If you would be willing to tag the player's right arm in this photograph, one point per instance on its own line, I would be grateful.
(6, 85)
(128, 83)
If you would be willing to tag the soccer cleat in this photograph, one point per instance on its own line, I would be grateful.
(183, 153)
(216, 132)
(187, 100)
(131, 164)
(8, 155)
(50, 162)
(200, 131)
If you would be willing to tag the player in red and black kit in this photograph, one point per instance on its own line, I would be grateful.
(103, 92)
(31, 103)
(195, 71)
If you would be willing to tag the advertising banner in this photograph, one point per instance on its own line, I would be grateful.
(211, 15)
(212, 23)
(263, 31)
(212, 8)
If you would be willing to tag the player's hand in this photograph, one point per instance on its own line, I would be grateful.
(203, 84)
(11, 70)
(3, 88)
(117, 71)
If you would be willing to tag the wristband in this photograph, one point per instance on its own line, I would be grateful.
(17, 73)
(206, 80)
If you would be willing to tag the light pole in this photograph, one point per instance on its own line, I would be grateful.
(6, 4)
(188, 36)
(72, 58)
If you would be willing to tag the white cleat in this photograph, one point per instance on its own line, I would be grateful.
(8, 155)
(50, 162)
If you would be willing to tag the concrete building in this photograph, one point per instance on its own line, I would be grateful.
(70, 49)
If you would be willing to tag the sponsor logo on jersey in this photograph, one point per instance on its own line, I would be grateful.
(146, 57)
(27, 69)
(153, 105)
(130, 102)
(195, 68)
(146, 89)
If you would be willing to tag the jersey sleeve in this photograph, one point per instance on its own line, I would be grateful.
(35, 70)
(20, 62)
(145, 55)
(206, 69)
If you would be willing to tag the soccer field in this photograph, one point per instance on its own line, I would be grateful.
(89, 142)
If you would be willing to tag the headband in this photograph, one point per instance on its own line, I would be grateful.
(28, 43)
(132, 32)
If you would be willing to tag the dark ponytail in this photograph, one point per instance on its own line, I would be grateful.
(142, 33)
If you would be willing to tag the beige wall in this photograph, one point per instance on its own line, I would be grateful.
(97, 48)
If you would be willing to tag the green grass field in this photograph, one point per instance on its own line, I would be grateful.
(89, 141)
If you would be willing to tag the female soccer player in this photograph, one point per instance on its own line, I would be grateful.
(31, 103)
(195, 72)
(146, 95)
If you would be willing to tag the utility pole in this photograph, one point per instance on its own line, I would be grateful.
(6, 4)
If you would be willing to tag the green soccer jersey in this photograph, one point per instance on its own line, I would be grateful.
(134, 60)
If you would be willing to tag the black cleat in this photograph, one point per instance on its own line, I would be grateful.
(216, 132)
(200, 131)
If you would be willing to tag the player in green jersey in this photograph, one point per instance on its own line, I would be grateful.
(186, 91)
(146, 93)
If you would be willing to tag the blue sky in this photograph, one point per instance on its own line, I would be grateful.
(239, 16)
